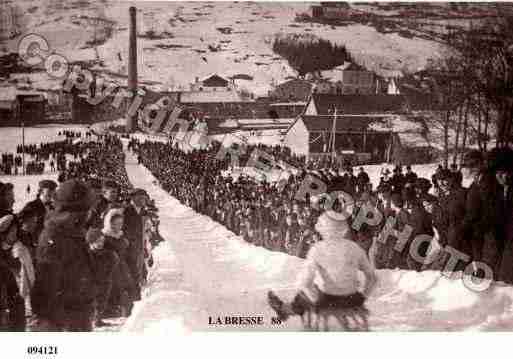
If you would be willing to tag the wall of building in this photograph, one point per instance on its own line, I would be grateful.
(297, 138)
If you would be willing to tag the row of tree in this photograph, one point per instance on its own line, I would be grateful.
(472, 83)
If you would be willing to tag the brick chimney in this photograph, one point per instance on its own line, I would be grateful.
(131, 124)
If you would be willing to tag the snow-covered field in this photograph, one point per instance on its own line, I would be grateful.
(186, 32)
(34, 135)
(11, 137)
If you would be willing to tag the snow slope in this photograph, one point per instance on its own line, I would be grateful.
(203, 271)
(185, 30)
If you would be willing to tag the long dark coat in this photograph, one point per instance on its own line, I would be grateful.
(65, 281)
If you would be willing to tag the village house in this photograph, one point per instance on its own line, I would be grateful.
(22, 106)
(326, 104)
(9, 105)
(360, 129)
(213, 83)
(331, 10)
(351, 78)
(213, 88)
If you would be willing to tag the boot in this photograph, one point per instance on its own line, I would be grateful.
(278, 306)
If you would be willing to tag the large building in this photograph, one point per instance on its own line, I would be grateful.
(213, 88)
(18, 106)
(213, 83)
(362, 129)
(331, 10)
(326, 104)
(350, 78)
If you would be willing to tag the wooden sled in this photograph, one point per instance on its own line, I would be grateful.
(318, 319)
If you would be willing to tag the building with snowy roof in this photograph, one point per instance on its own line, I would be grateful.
(325, 104)
(19, 106)
(363, 129)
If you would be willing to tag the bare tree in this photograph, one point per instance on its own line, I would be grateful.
(488, 50)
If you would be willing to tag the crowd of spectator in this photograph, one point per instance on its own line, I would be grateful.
(477, 221)
(79, 253)
(44, 156)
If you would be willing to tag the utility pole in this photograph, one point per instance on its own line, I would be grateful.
(333, 130)
(20, 114)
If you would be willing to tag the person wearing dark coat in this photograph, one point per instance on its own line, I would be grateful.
(421, 222)
(106, 263)
(12, 305)
(63, 297)
(458, 176)
(410, 176)
(108, 199)
(123, 290)
(134, 230)
(43, 204)
(397, 181)
(500, 165)
(455, 205)
(476, 220)
(362, 180)
(6, 198)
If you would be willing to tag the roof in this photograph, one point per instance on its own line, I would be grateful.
(214, 81)
(243, 110)
(359, 104)
(220, 126)
(354, 67)
(339, 4)
(209, 96)
(417, 99)
(293, 81)
(346, 123)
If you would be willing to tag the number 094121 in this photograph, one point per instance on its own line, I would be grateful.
(42, 350)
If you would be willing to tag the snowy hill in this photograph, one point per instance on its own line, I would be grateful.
(183, 40)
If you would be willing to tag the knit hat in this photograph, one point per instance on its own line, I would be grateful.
(330, 227)
(73, 195)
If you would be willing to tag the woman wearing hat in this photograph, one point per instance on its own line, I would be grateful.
(63, 296)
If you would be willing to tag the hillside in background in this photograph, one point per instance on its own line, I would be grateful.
(183, 40)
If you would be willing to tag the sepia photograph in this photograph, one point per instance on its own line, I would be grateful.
(189, 167)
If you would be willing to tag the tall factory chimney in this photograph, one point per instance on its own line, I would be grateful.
(131, 124)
